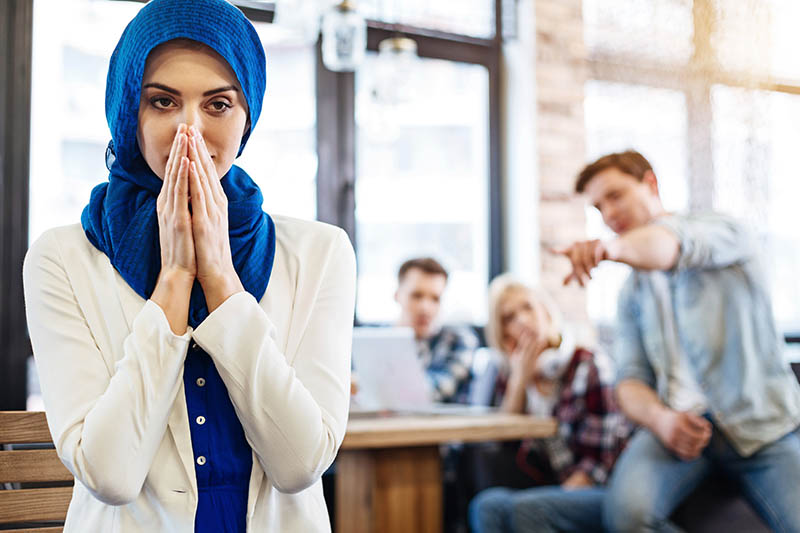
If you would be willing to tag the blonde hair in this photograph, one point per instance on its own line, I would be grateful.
(499, 289)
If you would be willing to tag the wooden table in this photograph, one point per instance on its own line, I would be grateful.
(389, 472)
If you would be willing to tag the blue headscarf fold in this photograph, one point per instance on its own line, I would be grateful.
(120, 219)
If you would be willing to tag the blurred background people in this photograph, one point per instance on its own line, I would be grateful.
(701, 363)
(542, 371)
(445, 351)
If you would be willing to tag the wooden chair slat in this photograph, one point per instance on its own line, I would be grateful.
(18, 427)
(34, 505)
(31, 466)
(36, 530)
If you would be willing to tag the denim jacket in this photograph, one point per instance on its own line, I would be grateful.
(726, 328)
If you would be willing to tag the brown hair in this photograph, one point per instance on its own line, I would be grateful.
(428, 265)
(630, 162)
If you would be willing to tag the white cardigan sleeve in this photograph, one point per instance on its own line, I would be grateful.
(107, 422)
(293, 406)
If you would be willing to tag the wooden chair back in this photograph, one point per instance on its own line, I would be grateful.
(36, 510)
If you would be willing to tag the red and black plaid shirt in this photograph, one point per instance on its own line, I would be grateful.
(592, 432)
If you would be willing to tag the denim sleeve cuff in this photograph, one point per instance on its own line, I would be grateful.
(677, 228)
(638, 374)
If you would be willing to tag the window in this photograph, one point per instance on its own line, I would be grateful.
(770, 46)
(756, 134)
(714, 101)
(72, 43)
(466, 17)
(281, 155)
(646, 30)
(411, 160)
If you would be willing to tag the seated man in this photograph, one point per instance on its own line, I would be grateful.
(445, 351)
(701, 367)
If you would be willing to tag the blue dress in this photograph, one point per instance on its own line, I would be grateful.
(223, 459)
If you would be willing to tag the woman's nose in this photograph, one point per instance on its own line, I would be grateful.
(192, 118)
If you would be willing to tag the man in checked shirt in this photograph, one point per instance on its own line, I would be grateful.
(445, 350)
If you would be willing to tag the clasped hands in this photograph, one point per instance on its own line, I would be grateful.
(195, 242)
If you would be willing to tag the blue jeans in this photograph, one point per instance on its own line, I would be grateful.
(540, 509)
(648, 482)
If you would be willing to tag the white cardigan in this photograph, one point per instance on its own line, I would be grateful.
(111, 372)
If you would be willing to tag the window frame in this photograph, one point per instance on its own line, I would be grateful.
(16, 21)
(695, 80)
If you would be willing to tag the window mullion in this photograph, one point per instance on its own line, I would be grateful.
(16, 21)
(336, 131)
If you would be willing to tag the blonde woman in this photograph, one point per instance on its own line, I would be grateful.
(544, 372)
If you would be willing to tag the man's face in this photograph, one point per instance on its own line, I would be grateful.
(624, 202)
(419, 295)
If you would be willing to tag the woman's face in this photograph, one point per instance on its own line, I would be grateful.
(190, 83)
(519, 312)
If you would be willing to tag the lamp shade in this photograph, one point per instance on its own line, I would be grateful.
(344, 37)
(396, 70)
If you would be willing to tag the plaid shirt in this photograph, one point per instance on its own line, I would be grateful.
(447, 359)
(592, 432)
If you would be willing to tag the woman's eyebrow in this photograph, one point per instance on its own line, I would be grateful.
(178, 93)
(221, 90)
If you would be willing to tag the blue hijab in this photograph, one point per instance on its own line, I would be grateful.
(121, 219)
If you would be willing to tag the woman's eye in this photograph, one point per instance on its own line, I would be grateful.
(161, 103)
(219, 105)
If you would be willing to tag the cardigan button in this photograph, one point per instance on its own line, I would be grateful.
(201, 460)
(201, 382)
(200, 420)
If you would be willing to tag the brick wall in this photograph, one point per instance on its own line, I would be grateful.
(560, 75)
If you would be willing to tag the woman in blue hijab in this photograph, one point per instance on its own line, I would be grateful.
(193, 351)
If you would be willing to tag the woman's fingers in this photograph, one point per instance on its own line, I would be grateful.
(527, 342)
(210, 168)
(202, 149)
(174, 159)
(202, 174)
(164, 198)
(181, 192)
(172, 151)
(171, 177)
(199, 206)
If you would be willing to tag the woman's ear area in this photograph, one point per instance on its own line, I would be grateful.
(246, 127)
